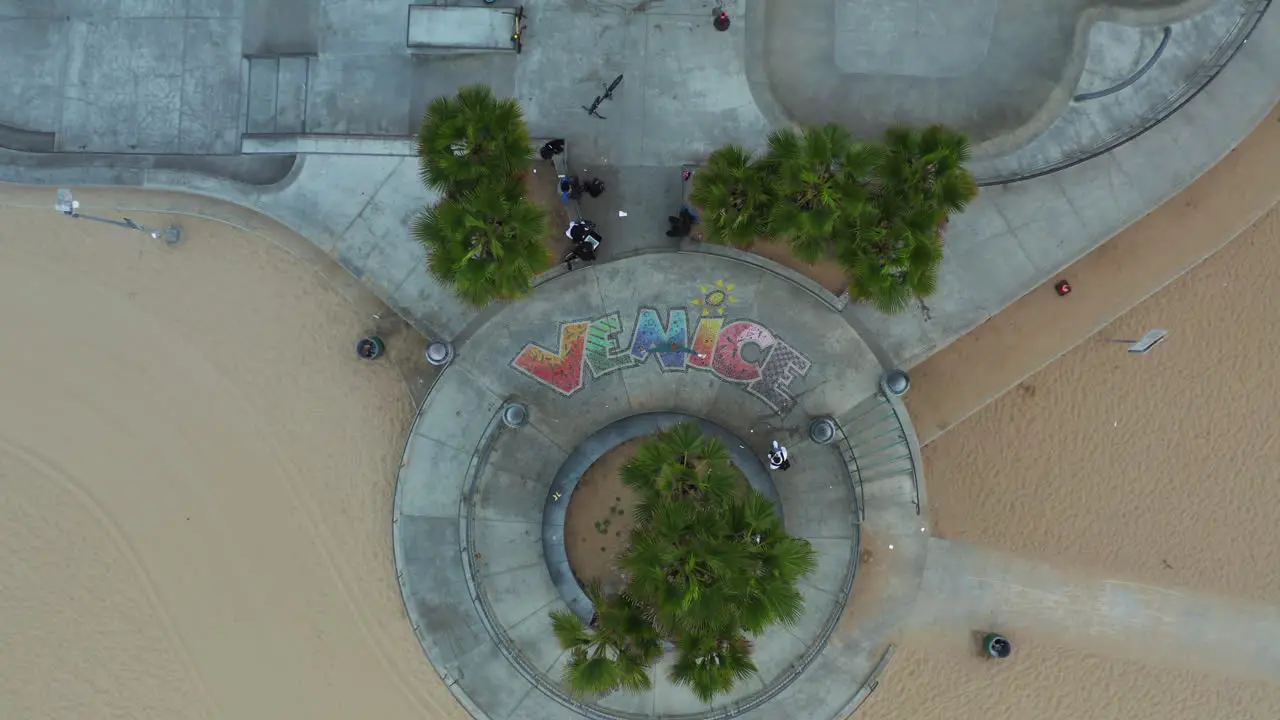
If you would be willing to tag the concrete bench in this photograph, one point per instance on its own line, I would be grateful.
(435, 29)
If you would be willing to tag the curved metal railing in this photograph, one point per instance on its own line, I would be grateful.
(880, 444)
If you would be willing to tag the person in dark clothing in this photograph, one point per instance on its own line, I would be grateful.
(585, 242)
(594, 187)
(552, 148)
(570, 188)
(682, 224)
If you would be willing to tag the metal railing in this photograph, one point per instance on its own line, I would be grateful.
(855, 475)
(877, 445)
(1235, 39)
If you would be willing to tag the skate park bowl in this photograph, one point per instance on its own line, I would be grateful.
(1002, 72)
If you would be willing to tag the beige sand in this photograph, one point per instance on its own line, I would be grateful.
(1157, 468)
(942, 678)
(597, 523)
(1040, 326)
(197, 477)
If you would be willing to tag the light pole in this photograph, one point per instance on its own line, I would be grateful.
(67, 205)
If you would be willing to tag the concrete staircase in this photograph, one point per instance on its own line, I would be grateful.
(880, 450)
(276, 94)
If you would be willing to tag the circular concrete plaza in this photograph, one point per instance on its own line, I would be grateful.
(479, 511)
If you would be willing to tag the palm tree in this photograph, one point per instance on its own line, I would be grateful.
(897, 263)
(485, 243)
(470, 139)
(819, 178)
(614, 651)
(710, 664)
(924, 169)
(918, 183)
(679, 463)
(732, 193)
(707, 561)
(779, 561)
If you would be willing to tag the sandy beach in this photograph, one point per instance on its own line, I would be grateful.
(198, 476)
(198, 472)
(1159, 468)
(939, 677)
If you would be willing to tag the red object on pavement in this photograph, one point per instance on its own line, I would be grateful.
(1063, 288)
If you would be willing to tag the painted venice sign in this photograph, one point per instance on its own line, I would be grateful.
(600, 345)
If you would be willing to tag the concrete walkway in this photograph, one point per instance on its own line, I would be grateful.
(471, 495)
(356, 207)
(1040, 327)
(978, 589)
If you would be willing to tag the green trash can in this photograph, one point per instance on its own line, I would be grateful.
(370, 348)
(997, 646)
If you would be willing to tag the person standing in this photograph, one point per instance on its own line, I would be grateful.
(682, 224)
(551, 148)
(779, 459)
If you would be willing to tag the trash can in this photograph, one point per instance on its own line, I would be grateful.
(997, 646)
(370, 348)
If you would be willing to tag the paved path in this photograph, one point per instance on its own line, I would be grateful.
(978, 589)
(1040, 327)
(471, 495)
(356, 207)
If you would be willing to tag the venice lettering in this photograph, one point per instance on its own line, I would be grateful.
(715, 346)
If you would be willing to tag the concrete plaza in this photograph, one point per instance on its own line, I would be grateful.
(303, 112)
(346, 82)
(480, 554)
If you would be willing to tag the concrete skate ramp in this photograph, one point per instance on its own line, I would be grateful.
(999, 70)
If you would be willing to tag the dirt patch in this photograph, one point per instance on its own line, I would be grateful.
(826, 273)
(541, 187)
(598, 522)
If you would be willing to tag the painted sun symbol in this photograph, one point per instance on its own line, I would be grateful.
(715, 298)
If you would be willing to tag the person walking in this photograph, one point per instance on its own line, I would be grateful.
(779, 459)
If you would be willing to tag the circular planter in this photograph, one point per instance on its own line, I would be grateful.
(997, 646)
(370, 348)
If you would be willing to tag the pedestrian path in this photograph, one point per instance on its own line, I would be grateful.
(977, 589)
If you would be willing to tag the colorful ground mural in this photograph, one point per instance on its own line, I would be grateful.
(715, 346)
